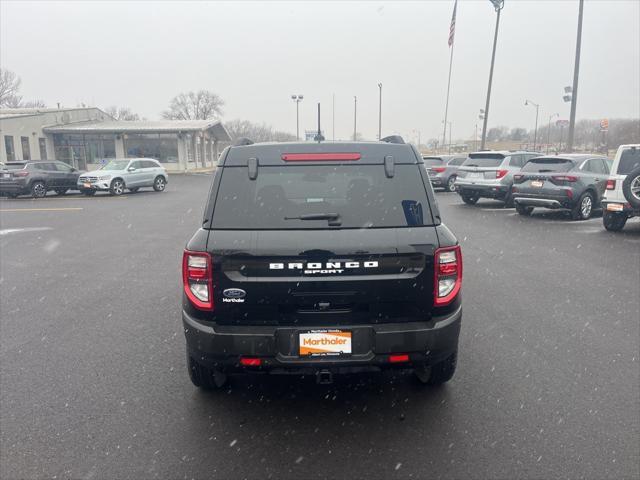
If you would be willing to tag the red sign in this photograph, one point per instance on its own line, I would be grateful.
(562, 123)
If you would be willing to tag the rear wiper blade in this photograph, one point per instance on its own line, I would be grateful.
(332, 217)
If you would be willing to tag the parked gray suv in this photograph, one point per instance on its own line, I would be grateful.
(489, 174)
(443, 170)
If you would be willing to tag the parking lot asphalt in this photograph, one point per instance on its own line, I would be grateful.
(93, 382)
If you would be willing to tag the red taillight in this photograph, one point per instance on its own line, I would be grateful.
(501, 173)
(320, 157)
(197, 279)
(447, 275)
(250, 362)
(399, 358)
(518, 177)
(21, 173)
(564, 178)
(611, 184)
(438, 169)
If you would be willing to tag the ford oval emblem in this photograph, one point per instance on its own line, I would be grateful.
(234, 293)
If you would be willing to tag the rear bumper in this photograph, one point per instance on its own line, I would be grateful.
(548, 201)
(13, 188)
(221, 347)
(486, 190)
(620, 207)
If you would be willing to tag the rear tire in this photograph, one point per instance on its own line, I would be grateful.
(61, 191)
(38, 190)
(614, 222)
(451, 187)
(439, 373)
(469, 199)
(117, 187)
(159, 183)
(204, 377)
(631, 188)
(508, 200)
(524, 210)
(583, 207)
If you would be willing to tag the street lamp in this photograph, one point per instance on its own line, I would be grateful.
(549, 130)
(498, 5)
(380, 112)
(297, 99)
(535, 134)
(448, 123)
(576, 73)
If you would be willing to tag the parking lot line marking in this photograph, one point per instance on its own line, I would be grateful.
(40, 209)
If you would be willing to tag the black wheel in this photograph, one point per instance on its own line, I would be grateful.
(469, 199)
(117, 187)
(61, 191)
(439, 373)
(38, 189)
(631, 188)
(159, 183)
(508, 200)
(88, 193)
(204, 377)
(451, 187)
(134, 189)
(583, 207)
(523, 209)
(614, 222)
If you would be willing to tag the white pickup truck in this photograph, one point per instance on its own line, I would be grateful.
(622, 195)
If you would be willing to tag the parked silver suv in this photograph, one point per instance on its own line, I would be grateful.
(124, 173)
(489, 174)
(443, 169)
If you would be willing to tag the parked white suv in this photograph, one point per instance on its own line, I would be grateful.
(124, 173)
(622, 195)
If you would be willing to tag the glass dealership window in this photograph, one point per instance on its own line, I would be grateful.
(26, 151)
(8, 146)
(99, 147)
(160, 146)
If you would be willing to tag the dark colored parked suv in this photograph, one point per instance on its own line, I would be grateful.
(321, 258)
(575, 182)
(36, 178)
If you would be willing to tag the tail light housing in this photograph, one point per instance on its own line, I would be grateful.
(518, 178)
(563, 179)
(501, 173)
(21, 173)
(438, 169)
(197, 278)
(611, 184)
(447, 275)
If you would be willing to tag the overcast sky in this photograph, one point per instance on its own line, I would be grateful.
(255, 55)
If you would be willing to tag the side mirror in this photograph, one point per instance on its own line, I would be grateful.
(131, 169)
(73, 169)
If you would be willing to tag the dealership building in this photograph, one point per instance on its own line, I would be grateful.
(86, 137)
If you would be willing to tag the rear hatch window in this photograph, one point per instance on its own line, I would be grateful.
(629, 161)
(484, 160)
(14, 166)
(432, 161)
(354, 196)
(547, 165)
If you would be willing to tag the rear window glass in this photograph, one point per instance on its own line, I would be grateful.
(484, 160)
(629, 161)
(14, 166)
(362, 196)
(457, 161)
(432, 161)
(542, 165)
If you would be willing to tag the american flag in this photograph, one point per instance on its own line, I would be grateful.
(452, 29)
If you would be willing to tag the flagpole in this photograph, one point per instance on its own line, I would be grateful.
(446, 108)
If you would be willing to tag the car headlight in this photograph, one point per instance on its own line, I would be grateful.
(104, 177)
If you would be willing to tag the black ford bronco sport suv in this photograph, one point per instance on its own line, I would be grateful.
(321, 258)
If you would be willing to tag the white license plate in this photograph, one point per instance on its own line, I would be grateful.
(86, 185)
(475, 175)
(5, 175)
(316, 343)
(537, 183)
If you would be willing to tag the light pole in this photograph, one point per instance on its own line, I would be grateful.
(576, 72)
(475, 138)
(355, 116)
(380, 112)
(535, 132)
(333, 117)
(498, 5)
(549, 130)
(445, 126)
(297, 99)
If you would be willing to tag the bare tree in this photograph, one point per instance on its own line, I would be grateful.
(200, 105)
(122, 113)
(9, 88)
(33, 104)
(256, 132)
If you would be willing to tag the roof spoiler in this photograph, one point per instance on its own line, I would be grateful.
(241, 141)
(393, 139)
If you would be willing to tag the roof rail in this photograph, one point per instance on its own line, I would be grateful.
(240, 141)
(393, 139)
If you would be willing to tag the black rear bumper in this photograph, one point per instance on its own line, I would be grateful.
(221, 347)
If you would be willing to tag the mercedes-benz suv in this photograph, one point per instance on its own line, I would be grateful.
(318, 259)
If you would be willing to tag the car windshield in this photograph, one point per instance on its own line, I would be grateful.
(432, 161)
(361, 196)
(116, 165)
(484, 160)
(629, 161)
(542, 165)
